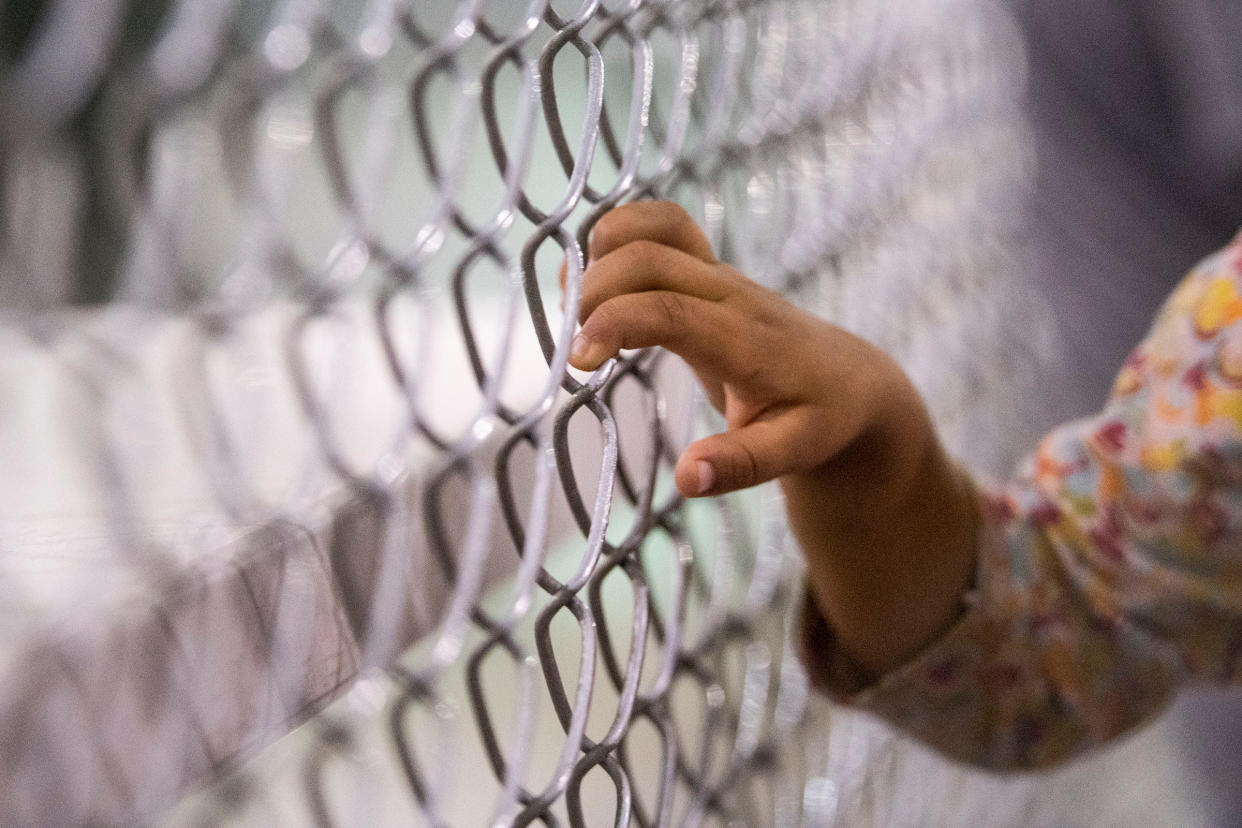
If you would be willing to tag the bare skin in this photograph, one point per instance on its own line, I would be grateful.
(886, 522)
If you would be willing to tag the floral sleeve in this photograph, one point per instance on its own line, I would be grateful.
(1110, 569)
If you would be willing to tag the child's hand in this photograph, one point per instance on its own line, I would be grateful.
(796, 391)
(886, 522)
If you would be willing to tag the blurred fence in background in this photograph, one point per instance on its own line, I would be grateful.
(287, 414)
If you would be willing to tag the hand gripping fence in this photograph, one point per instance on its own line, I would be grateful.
(305, 519)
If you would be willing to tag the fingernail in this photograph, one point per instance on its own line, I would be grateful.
(707, 476)
(579, 349)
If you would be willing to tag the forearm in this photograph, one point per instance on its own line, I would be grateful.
(888, 528)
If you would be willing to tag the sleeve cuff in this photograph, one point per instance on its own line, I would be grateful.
(979, 693)
(835, 674)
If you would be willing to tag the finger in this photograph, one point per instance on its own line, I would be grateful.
(703, 333)
(755, 453)
(561, 277)
(662, 222)
(713, 389)
(647, 265)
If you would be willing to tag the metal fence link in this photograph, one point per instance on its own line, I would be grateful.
(332, 234)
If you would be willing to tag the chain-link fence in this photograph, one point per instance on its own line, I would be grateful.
(287, 396)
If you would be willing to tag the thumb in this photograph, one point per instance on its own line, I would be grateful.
(743, 457)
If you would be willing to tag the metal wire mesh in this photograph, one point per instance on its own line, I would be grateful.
(321, 243)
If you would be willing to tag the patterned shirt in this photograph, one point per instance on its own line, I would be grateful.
(1110, 570)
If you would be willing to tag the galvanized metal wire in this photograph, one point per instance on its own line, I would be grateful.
(284, 182)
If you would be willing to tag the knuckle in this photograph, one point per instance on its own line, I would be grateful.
(764, 307)
(641, 254)
(671, 307)
(603, 322)
(742, 469)
(602, 234)
(751, 371)
(672, 213)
